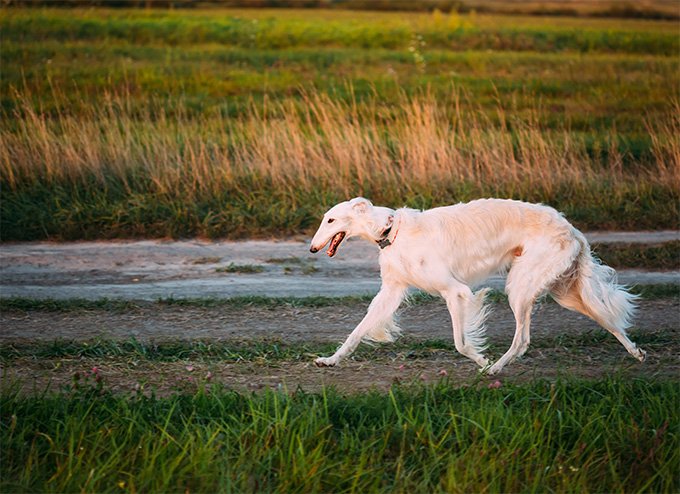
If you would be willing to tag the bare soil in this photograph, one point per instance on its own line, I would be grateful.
(152, 269)
(561, 345)
(148, 270)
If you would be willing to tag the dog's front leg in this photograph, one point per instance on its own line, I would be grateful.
(380, 312)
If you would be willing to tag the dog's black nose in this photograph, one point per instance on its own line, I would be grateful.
(313, 250)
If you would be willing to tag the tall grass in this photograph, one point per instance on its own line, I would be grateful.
(123, 169)
(229, 123)
(569, 436)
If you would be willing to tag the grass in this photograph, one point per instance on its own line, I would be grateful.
(223, 58)
(110, 175)
(172, 351)
(649, 292)
(240, 268)
(238, 123)
(569, 435)
(660, 256)
(274, 351)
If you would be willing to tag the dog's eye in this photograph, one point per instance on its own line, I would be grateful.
(331, 220)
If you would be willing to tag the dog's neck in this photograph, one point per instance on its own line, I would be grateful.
(387, 226)
(377, 226)
(384, 241)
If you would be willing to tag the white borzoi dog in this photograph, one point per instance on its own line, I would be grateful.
(449, 249)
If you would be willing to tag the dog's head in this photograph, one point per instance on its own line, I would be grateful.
(342, 221)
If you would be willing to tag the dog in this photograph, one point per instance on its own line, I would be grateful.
(447, 250)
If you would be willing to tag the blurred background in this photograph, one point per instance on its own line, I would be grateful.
(233, 119)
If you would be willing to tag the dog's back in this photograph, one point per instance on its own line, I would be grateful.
(483, 237)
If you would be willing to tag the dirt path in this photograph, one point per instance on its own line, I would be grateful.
(149, 270)
(293, 324)
(563, 343)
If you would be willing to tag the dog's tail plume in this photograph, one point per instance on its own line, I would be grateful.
(593, 289)
(611, 304)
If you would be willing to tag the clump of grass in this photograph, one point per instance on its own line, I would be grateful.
(286, 260)
(629, 255)
(240, 268)
(207, 260)
(607, 435)
(293, 264)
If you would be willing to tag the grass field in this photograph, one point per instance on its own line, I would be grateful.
(233, 123)
(566, 436)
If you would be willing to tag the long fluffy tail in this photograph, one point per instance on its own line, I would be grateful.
(609, 303)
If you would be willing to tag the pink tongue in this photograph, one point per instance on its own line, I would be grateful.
(335, 241)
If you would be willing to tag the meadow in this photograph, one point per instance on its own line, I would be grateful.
(241, 123)
(611, 435)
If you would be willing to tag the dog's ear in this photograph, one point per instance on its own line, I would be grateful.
(360, 205)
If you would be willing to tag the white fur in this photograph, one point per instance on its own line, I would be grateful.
(447, 250)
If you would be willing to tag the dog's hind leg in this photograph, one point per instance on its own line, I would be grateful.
(521, 307)
(467, 317)
(571, 297)
(531, 275)
(379, 314)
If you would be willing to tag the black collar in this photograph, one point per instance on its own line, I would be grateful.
(383, 241)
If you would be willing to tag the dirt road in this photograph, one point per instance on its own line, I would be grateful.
(563, 343)
(149, 270)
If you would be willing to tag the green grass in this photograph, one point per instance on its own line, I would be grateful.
(649, 292)
(172, 351)
(240, 268)
(27, 304)
(592, 72)
(567, 436)
(274, 351)
(660, 256)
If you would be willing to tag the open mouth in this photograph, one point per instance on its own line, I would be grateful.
(335, 242)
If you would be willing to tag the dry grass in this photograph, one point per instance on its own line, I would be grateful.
(319, 142)
(420, 150)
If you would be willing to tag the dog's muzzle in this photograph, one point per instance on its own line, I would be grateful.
(335, 241)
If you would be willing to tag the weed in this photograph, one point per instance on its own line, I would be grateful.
(207, 260)
(240, 268)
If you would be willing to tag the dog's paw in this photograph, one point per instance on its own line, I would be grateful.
(325, 362)
(641, 355)
(492, 370)
(484, 369)
(483, 363)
